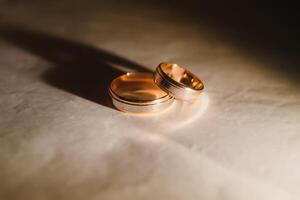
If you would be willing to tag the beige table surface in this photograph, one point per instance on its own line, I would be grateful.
(61, 139)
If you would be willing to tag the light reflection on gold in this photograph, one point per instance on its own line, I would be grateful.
(137, 93)
(182, 76)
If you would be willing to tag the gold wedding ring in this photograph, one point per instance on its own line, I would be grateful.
(147, 92)
(138, 93)
(180, 82)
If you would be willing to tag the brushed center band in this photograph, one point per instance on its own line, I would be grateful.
(180, 82)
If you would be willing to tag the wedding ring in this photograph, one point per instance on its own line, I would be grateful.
(180, 82)
(138, 93)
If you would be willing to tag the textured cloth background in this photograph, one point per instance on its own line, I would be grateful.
(61, 139)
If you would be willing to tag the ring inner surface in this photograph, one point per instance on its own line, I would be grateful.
(137, 87)
(182, 76)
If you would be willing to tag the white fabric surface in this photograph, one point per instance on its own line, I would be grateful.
(241, 141)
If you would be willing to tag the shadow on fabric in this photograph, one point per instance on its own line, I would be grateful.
(80, 69)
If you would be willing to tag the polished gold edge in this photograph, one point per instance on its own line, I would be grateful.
(137, 106)
(176, 83)
(176, 89)
(139, 103)
(141, 109)
(161, 99)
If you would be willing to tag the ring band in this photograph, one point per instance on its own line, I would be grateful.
(138, 93)
(180, 82)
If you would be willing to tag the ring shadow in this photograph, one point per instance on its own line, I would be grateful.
(80, 69)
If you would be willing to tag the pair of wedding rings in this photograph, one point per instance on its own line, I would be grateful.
(147, 92)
